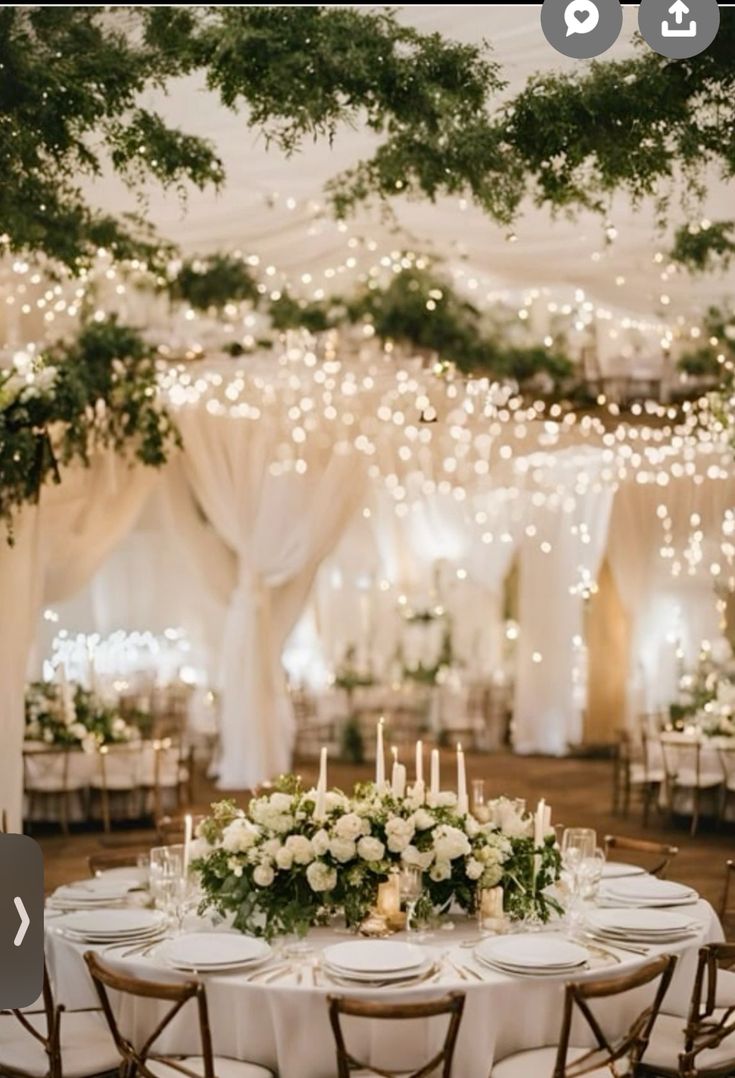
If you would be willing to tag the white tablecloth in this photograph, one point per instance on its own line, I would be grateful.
(284, 1025)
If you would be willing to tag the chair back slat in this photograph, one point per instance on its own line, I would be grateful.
(633, 1042)
(178, 994)
(451, 1006)
(708, 1024)
(661, 853)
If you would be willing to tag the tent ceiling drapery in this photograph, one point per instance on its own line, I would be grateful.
(562, 255)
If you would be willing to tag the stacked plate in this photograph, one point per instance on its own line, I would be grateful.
(91, 894)
(532, 954)
(376, 961)
(213, 952)
(110, 925)
(651, 926)
(644, 891)
(613, 870)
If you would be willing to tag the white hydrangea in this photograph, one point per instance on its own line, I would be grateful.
(370, 849)
(263, 875)
(271, 847)
(301, 848)
(281, 802)
(399, 833)
(335, 801)
(440, 870)
(321, 877)
(450, 842)
(320, 842)
(239, 835)
(444, 799)
(342, 849)
(506, 816)
(348, 826)
(471, 826)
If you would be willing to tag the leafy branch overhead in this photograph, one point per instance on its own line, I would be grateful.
(72, 81)
(100, 390)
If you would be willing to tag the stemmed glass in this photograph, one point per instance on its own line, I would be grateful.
(168, 887)
(578, 855)
(411, 886)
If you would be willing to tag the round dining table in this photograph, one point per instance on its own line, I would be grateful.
(281, 1020)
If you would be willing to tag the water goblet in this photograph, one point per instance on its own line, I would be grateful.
(411, 886)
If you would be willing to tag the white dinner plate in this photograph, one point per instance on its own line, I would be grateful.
(396, 977)
(376, 957)
(537, 951)
(652, 923)
(613, 870)
(110, 923)
(124, 872)
(649, 889)
(204, 950)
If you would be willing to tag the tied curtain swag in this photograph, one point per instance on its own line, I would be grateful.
(59, 545)
(268, 533)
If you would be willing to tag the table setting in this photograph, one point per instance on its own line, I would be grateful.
(274, 908)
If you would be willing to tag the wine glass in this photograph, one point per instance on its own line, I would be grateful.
(589, 875)
(411, 886)
(578, 845)
(166, 876)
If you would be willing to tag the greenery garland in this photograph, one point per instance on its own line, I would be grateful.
(100, 390)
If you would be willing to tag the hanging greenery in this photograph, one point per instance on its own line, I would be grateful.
(705, 247)
(97, 391)
(315, 316)
(421, 309)
(212, 282)
(715, 358)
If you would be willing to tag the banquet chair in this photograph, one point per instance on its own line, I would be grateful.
(47, 776)
(118, 777)
(685, 773)
(105, 860)
(140, 1060)
(704, 1045)
(726, 911)
(639, 769)
(170, 830)
(661, 852)
(48, 1041)
(567, 1061)
(450, 1005)
(726, 754)
(163, 774)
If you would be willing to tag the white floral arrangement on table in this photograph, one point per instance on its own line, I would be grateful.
(62, 714)
(292, 860)
(706, 701)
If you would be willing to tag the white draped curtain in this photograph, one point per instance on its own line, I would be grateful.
(59, 546)
(274, 528)
(565, 549)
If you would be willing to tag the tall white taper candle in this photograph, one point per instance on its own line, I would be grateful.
(380, 757)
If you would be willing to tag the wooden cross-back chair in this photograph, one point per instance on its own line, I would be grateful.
(661, 853)
(55, 1042)
(109, 859)
(135, 1059)
(450, 1006)
(570, 1061)
(705, 1046)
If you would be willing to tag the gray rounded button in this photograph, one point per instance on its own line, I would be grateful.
(581, 28)
(679, 28)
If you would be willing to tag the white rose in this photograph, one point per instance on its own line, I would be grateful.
(342, 849)
(399, 832)
(263, 875)
(239, 835)
(474, 869)
(444, 799)
(423, 820)
(301, 848)
(348, 826)
(78, 729)
(440, 870)
(450, 842)
(370, 849)
(284, 858)
(272, 846)
(334, 801)
(510, 821)
(199, 847)
(412, 856)
(281, 802)
(320, 842)
(235, 867)
(321, 877)
(471, 826)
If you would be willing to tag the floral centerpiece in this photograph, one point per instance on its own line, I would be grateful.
(707, 700)
(72, 716)
(293, 859)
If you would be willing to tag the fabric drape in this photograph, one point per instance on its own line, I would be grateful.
(277, 528)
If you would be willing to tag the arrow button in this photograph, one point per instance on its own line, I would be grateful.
(24, 921)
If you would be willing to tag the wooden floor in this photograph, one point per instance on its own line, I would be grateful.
(579, 791)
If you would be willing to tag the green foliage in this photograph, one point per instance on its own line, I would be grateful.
(286, 312)
(96, 391)
(204, 283)
(419, 308)
(701, 249)
(701, 363)
(715, 358)
(352, 746)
